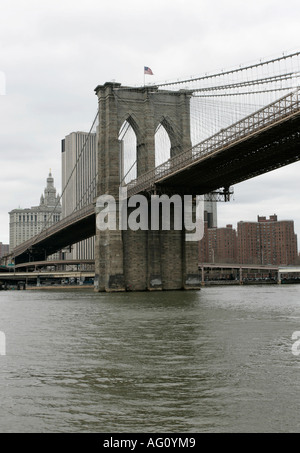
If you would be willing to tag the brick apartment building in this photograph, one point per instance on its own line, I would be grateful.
(219, 245)
(267, 241)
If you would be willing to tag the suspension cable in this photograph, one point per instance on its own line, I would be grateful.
(232, 71)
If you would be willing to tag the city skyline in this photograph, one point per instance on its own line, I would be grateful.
(50, 80)
(50, 199)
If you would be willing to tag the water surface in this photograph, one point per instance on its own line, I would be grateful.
(217, 360)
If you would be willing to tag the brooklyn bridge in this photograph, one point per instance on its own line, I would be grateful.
(194, 137)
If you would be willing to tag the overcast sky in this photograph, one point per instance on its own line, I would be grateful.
(54, 53)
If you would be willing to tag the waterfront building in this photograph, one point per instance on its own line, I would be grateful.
(267, 241)
(219, 245)
(26, 223)
(79, 182)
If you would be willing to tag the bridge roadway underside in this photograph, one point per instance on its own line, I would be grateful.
(78, 231)
(260, 153)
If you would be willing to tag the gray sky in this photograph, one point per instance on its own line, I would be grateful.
(54, 53)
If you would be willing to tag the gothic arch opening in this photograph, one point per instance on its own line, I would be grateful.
(162, 145)
(128, 143)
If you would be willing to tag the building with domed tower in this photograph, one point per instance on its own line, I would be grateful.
(26, 223)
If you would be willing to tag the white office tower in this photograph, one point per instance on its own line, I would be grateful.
(26, 223)
(79, 183)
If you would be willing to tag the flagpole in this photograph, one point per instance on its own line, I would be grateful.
(147, 71)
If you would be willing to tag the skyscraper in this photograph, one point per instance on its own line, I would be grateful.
(210, 211)
(79, 182)
(26, 223)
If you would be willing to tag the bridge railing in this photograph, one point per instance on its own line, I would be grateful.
(77, 215)
(261, 119)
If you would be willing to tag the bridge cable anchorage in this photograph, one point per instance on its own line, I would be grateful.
(35, 239)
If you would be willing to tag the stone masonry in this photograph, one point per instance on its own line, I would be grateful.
(143, 259)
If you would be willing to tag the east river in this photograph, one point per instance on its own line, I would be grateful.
(218, 360)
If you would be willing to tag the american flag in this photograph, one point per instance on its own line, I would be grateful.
(147, 70)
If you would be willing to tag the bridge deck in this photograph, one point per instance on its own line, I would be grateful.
(271, 122)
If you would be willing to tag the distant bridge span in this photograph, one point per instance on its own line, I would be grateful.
(54, 263)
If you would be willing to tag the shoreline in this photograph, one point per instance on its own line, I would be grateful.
(60, 287)
(237, 283)
(203, 285)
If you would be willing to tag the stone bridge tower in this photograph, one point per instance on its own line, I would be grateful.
(141, 260)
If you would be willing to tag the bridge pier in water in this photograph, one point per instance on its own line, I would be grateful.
(144, 259)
